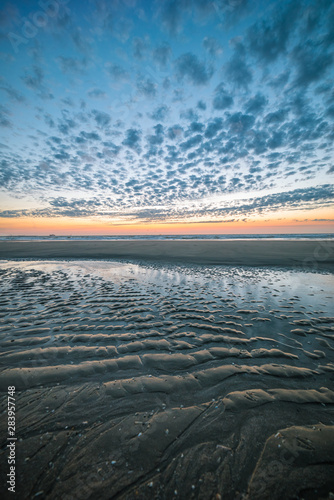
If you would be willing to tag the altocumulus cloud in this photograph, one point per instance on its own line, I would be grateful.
(299, 198)
(156, 111)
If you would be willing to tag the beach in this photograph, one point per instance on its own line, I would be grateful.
(284, 253)
(186, 370)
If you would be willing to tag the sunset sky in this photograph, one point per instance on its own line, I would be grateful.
(169, 116)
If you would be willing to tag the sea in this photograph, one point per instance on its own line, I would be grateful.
(52, 237)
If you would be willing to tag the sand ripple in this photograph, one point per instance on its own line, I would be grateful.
(201, 348)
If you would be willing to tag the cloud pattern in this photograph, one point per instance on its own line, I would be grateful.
(174, 111)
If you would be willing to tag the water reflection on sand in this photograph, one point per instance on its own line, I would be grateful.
(105, 342)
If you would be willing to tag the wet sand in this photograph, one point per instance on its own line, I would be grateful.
(163, 381)
(308, 254)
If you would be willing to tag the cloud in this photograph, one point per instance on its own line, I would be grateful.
(140, 47)
(49, 120)
(330, 111)
(97, 94)
(68, 101)
(201, 105)
(311, 62)
(122, 28)
(277, 140)
(237, 71)
(329, 37)
(213, 128)
(190, 67)
(13, 94)
(276, 117)
(267, 39)
(256, 104)
(146, 87)
(280, 80)
(264, 123)
(72, 65)
(62, 155)
(297, 197)
(117, 72)
(102, 119)
(158, 137)
(196, 127)
(172, 15)
(160, 114)
(35, 81)
(4, 117)
(189, 114)
(87, 136)
(175, 132)
(65, 124)
(288, 200)
(132, 139)
(222, 99)
(240, 123)
(81, 42)
(162, 54)
(192, 142)
(212, 46)
(231, 12)
(225, 211)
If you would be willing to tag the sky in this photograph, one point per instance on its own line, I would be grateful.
(166, 117)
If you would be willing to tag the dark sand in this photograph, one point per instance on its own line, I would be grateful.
(157, 381)
(308, 254)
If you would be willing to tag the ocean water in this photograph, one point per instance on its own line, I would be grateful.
(318, 236)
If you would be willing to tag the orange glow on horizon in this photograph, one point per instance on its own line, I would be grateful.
(275, 223)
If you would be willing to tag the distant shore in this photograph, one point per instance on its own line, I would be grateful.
(316, 254)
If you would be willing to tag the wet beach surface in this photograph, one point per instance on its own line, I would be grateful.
(141, 380)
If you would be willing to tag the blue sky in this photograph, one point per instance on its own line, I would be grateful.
(166, 111)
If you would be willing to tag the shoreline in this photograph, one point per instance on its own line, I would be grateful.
(315, 254)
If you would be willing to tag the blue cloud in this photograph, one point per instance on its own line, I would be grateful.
(222, 99)
(172, 15)
(237, 70)
(267, 39)
(140, 47)
(132, 138)
(160, 114)
(190, 67)
(146, 86)
(102, 119)
(212, 46)
(97, 93)
(117, 72)
(162, 54)
(311, 62)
